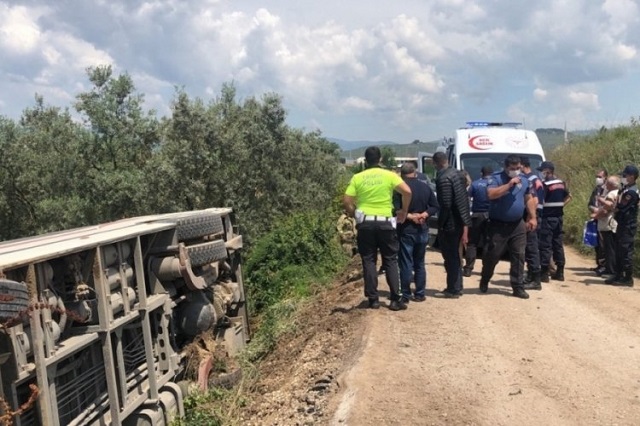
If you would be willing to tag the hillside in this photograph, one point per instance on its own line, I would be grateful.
(549, 138)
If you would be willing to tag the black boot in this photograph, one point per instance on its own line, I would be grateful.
(627, 280)
(544, 274)
(534, 284)
(614, 279)
(559, 275)
(528, 278)
(520, 293)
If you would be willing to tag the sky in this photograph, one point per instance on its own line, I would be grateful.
(355, 70)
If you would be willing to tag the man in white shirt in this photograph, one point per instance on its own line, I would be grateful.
(607, 224)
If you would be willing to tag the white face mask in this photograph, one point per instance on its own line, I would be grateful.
(623, 181)
(513, 173)
(599, 181)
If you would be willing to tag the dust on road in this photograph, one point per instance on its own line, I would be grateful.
(570, 355)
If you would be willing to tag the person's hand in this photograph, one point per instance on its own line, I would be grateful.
(465, 237)
(401, 216)
(515, 181)
(532, 224)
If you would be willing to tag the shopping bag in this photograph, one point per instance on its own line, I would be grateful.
(590, 233)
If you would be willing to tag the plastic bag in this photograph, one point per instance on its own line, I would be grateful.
(590, 233)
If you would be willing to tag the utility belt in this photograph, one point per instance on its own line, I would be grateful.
(377, 219)
(362, 218)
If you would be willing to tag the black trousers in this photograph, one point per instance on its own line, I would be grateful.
(600, 251)
(373, 237)
(624, 249)
(608, 244)
(551, 241)
(503, 236)
(450, 249)
(532, 250)
(477, 234)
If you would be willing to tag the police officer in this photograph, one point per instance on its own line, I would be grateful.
(627, 217)
(556, 196)
(368, 198)
(509, 193)
(532, 251)
(479, 215)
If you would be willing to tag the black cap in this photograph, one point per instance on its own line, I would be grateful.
(545, 165)
(630, 170)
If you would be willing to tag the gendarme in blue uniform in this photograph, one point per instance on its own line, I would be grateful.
(555, 192)
(509, 207)
(627, 207)
(535, 183)
(478, 193)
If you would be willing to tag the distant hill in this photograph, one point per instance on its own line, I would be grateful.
(354, 145)
(401, 150)
(549, 139)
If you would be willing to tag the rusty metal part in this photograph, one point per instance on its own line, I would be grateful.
(7, 418)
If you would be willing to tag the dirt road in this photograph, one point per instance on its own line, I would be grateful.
(570, 355)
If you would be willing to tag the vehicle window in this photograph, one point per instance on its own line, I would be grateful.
(472, 163)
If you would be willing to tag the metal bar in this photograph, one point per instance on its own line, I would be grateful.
(48, 413)
(138, 264)
(121, 368)
(105, 315)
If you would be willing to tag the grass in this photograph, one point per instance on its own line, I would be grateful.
(577, 163)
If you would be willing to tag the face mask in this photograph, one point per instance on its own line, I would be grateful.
(543, 175)
(513, 173)
(623, 181)
(599, 181)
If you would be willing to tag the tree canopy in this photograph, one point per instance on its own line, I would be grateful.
(118, 160)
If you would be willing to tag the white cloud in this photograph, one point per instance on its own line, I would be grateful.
(540, 94)
(625, 52)
(358, 103)
(19, 31)
(584, 99)
(410, 65)
(622, 13)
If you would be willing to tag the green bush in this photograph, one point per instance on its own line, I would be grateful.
(300, 251)
(577, 163)
(199, 409)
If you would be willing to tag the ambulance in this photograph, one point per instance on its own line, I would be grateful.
(482, 143)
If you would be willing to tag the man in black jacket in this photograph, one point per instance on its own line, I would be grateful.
(453, 221)
(413, 233)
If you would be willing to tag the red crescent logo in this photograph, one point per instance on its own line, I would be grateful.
(481, 142)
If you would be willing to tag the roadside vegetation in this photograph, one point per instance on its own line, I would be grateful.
(577, 163)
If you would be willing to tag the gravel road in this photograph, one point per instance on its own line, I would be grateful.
(570, 355)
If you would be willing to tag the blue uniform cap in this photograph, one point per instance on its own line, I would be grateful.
(545, 165)
(630, 170)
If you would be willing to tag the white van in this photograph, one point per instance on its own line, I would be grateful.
(482, 143)
(479, 144)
